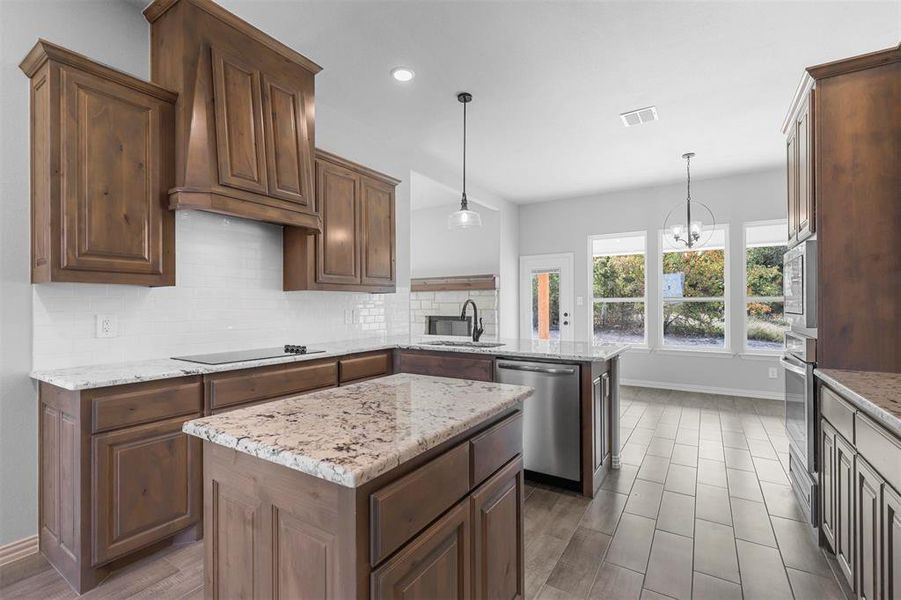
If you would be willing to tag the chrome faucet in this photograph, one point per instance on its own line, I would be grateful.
(477, 329)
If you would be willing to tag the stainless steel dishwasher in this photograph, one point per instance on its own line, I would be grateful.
(550, 415)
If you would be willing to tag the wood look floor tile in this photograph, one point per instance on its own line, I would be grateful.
(540, 555)
(763, 575)
(654, 468)
(660, 446)
(669, 568)
(711, 588)
(576, 568)
(604, 511)
(715, 550)
(615, 582)
(620, 480)
(681, 479)
(743, 484)
(808, 586)
(751, 522)
(685, 455)
(736, 458)
(711, 472)
(549, 592)
(798, 545)
(677, 513)
(631, 544)
(713, 504)
(651, 595)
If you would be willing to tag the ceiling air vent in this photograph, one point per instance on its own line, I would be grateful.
(639, 116)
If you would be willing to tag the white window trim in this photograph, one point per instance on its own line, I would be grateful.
(745, 349)
(644, 345)
(727, 288)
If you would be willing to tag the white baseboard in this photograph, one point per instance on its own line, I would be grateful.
(704, 389)
(14, 551)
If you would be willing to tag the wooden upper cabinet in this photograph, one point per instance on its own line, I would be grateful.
(356, 250)
(799, 142)
(244, 119)
(791, 155)
(377, 246)
(101, 148)
(239, 124)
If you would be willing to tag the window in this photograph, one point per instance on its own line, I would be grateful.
(618, 288)
(765, 322)
(694, 286)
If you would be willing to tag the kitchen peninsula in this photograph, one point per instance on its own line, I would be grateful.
(405, 485)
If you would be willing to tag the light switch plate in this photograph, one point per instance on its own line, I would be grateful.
(107, 326)
(773, 373)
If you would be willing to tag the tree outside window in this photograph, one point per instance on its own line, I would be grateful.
(618, 288)
(765, 322)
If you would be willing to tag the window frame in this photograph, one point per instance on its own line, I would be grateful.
(645, 344)
(727, 292)
(745, 349)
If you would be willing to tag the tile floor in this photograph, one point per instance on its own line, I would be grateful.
(701, 508)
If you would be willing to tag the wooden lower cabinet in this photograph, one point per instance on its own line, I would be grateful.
(891, 543)
(844, 508)
(827, 483)
(436, 564)
(868, 500)
(444, 364)
(498, 565)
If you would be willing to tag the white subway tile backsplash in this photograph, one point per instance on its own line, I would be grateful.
(227, 296)
(423, 304)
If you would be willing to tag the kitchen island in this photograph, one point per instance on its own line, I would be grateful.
(398, 486)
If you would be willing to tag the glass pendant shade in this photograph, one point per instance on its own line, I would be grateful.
(689, 224)
(464, 219)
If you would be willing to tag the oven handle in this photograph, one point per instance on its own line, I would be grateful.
(790, 367)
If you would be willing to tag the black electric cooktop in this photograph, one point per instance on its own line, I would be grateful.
(222, 358)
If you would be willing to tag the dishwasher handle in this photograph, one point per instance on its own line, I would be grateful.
(533, 369)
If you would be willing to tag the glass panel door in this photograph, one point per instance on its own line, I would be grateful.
(546, 291)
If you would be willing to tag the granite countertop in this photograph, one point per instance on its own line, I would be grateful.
(876, 394)
(95, 376)
(352, 434)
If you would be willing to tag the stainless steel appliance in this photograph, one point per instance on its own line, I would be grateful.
(801, 418)
(222, 358)
(550, 416)
(799, 283)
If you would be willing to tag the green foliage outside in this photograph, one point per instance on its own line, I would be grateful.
(766, 320)
(554, 292)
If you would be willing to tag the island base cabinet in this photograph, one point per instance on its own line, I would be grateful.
(891, 543)
(868, 489)
(827, 483)
(844, 508)
(436, 564)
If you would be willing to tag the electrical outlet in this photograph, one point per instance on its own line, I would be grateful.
(773, 373)
(106, 326)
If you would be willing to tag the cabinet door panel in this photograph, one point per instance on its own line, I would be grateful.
(288, 148)
(111, 140)
(827, 482)
(337, 260)
(239, 124)
(377, 254)
(805, 224)
(436, 564)
(869, 499)
(844, 509)
(891, 544)
(146, 486)
(497, 518)
(791, 149)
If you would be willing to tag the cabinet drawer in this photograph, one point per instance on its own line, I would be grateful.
(447, 365)
(492, 448)
(373, 365)
(249, 385)
(838, 412)
(401, 509)
(136, 403)
(880, 448)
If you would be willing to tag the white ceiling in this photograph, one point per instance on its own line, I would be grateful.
(549, 80)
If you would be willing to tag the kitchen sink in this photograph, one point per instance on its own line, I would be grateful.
(467, 344)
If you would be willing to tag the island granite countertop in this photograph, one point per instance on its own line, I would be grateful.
(352, 434)
(103, 375)
(876, 394)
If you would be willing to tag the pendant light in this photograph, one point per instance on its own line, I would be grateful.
(697, 227)
(464, 218)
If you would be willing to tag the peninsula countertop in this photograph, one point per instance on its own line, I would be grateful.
(352, 434)
(103, 375)
(876, 394)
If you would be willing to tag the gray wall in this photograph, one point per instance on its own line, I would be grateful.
(112, 32)
(440, 252)
(564, 226)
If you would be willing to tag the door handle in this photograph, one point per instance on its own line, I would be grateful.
(531, 369)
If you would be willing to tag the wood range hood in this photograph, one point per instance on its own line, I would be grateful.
(244, 116)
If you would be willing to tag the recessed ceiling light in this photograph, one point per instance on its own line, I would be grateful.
(403, 74)
(639, 116)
